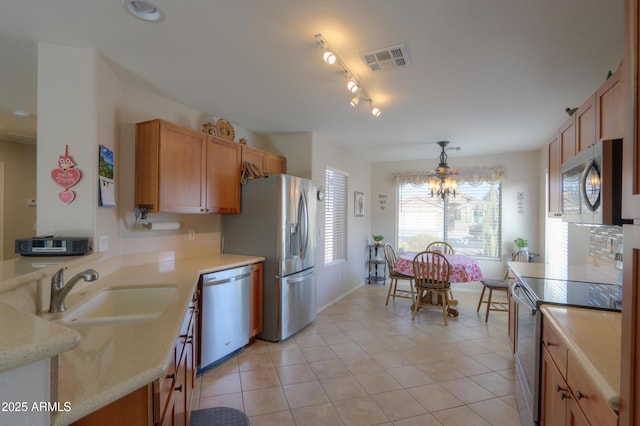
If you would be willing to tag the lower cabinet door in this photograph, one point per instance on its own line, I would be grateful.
(575, 415)
(555, 394)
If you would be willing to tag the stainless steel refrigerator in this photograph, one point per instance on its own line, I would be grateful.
(278, 221)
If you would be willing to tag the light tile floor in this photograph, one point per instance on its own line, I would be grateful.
(363, 363)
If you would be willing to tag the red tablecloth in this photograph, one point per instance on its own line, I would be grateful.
(463, 268)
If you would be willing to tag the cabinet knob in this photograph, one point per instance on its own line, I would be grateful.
(560, 388)
(548, 343)
(580, 395)
(565, 395)
(178, 389)
(171, 376)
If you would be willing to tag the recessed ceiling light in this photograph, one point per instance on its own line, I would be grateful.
(145, 10)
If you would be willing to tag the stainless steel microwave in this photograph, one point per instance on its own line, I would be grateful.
(592, 185)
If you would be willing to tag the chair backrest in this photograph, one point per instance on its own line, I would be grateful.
(390, 256)
(431, 270)
(520, 256)
(441, 246)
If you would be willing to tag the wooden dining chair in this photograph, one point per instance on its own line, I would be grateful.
(499, 285)
(391, 257)
(441, 246)
(431, 278)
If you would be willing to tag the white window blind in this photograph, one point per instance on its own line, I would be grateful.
(471, 221)
(335, 216)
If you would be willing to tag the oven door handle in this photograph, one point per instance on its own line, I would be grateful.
(522, 300)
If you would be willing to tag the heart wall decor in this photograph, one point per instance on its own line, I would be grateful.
(66, 175)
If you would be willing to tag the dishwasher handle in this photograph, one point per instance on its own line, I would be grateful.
(226, 276)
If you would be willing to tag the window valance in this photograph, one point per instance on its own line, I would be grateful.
(464, 175)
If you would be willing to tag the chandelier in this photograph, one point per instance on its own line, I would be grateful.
(442, 184)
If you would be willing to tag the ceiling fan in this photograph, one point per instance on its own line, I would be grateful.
(443, 170)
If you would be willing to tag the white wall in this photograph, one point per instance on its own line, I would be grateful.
(18, 184)
(297, 148)
(66, 116)
(337, 280)
(84, 101)
(523, 175)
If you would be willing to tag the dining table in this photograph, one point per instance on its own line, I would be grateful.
(461, 269)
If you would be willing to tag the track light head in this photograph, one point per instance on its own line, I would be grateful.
(329, 57)
(375, 111)
(352, 85)
(354, 101)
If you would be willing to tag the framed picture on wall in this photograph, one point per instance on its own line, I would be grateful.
(358, 204)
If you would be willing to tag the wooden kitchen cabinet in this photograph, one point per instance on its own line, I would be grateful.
(609, 108)
(166, 401)
(179, 170)
(568, 395)
(257, 289)
(585, 125)
(555, 178)
(170, 168)
(554, 393)
(254, 156)
(568, 139)
(223, 176)
(630, 359)
(275, 164)
(267, 162)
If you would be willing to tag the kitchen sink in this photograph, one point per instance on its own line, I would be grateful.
(121, 304)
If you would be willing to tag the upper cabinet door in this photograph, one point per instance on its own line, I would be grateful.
(254, 156)
(631, 151)
(223, 176)
(275, 164)
(568, 139)
(609, 108)
(586, 124)
(170, 168)
(555, 178)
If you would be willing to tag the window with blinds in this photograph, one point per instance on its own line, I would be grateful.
(335, 216)
(471, 221)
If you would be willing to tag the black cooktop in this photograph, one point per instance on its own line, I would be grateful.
(575, 293)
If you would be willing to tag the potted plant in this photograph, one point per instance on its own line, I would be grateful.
(521, 244)
(378, 239)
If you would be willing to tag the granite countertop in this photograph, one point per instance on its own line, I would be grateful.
(27, 338)
(46, 339)
(114, 360)
(105, 362)
(17, 271)
(594, 338)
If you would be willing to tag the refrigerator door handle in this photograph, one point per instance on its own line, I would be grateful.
(303, 219)
(299, 279)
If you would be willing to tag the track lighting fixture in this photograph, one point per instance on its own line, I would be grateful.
(353, 84)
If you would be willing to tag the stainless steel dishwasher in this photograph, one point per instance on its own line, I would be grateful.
(226, 298)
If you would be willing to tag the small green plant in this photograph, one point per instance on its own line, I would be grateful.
(378, 238)
(521, 242)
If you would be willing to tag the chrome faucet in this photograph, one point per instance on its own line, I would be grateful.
(60, 291)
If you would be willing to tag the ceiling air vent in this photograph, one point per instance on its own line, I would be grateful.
(386, 59)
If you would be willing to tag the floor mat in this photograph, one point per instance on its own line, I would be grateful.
(219, 416)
